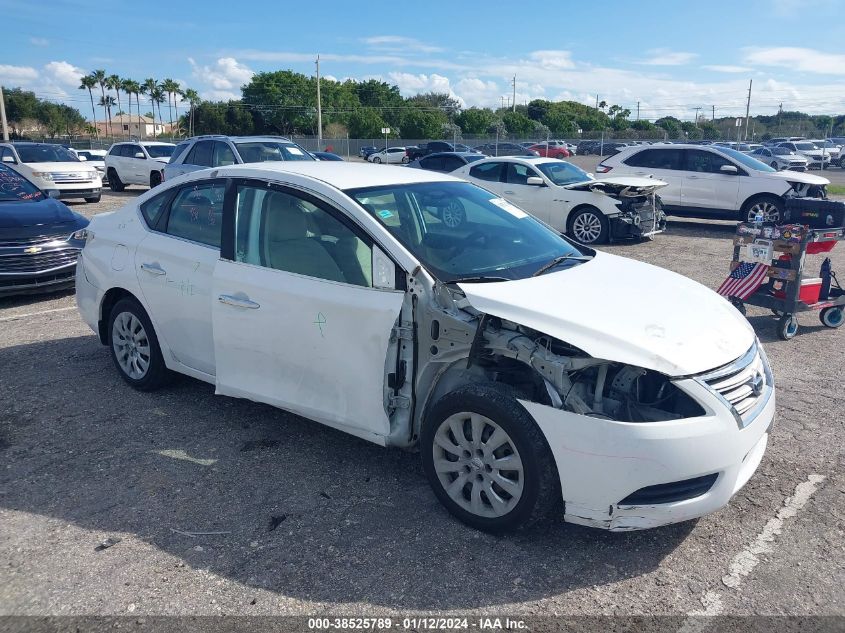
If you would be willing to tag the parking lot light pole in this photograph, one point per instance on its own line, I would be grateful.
(319, 110)
(3, 116)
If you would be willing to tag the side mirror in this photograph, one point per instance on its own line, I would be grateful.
(53, 193)
(139, 155)
(729, 169)
(535, 180)
(81, 159)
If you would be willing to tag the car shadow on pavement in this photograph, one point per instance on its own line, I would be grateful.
(36, 300)
(305, 511)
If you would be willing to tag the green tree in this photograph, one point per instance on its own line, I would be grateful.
(418, 123)
(100, 77)
(518, 124)
(670, 125)
(107, 102)
(366, 123)
(283, 101)
(171, 87)
(132, 87)
(149, 88)
(113, 82)
(192, 97)
(475, 120)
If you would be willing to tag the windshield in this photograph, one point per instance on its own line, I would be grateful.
(563, 173)
(159, 151)
(781, 151)
(14, 187)
(805, 146)
(745, 159)
(460, 231)
(89, 156)
(265, 151)
(45, 154)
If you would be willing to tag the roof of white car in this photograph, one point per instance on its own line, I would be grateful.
(144, 143)
(534, 160)
(341, 175)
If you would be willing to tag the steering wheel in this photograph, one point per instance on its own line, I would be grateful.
(472, 238)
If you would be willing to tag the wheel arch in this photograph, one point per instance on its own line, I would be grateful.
(110, 298)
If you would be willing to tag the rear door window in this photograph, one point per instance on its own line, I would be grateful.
(201, 154)
(656, 159)
(487, 171)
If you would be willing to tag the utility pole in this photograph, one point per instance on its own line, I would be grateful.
(638, 110)
(713, 115)
(319, 110)
(3, 116)
(514, 93)
(696, 115)
(597, 102)
(503, 102)
(748, 108)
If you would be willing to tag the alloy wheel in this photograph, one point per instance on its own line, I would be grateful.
(131, 345)
(768, 210)
(478, 465)
(453, 215)
(586, 227)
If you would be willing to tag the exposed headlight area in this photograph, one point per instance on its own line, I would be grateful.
(43, 175)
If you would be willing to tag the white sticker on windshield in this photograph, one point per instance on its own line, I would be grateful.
(295, 150)
(507, 206)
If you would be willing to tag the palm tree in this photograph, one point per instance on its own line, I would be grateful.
(107, 102)
(113, 82)
(171, 88)
(192, 97)
(148, 88)
(132, 87)
(157, 97)
(87, 83)
(100, 77)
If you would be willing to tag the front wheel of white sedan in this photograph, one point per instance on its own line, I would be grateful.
(134, 346)
(589, 226)
(487, 461)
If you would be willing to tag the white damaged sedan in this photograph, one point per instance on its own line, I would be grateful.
(535, 375)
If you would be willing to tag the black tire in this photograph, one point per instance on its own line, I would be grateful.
(157, 373)
(766, 201)
(115, 183)
(93, 200)
(405, 160)
(586, 215)
(831, 317)
(541, 485)
(787, 327)
(377, 160)
(738, 304)
(155, 179)
(774, 166)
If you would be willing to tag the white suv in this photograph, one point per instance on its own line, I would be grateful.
(711, 181)
(137, 163)
(53, 167)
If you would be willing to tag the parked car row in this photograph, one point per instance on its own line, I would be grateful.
(51, 167)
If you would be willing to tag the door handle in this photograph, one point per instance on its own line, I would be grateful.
(153, 269)
(238, 302)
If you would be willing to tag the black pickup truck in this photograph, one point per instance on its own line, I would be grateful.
(424, 149)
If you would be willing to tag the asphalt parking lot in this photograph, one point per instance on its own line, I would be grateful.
(223, 506)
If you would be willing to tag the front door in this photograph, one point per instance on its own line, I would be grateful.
(705, 185)
(297, 321)
(664, 164)
(532, 198)
(175, 267)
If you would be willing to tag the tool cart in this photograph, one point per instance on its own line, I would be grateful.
(813, 226)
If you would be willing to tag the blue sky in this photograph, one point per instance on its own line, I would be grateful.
(671, 57)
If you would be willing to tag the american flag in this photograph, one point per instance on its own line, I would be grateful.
(744, 280)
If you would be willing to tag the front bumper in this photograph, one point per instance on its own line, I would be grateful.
(44, 268)
(601, 462)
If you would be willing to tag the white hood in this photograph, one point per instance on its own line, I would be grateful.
(81, 166)
(623, 310)
(799, 176)
(620, 185)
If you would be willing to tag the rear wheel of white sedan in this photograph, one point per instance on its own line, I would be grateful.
(487, 461)
(134, 346)
(588, 225)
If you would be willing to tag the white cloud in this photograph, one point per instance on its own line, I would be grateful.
(553, 60)
(798, 59)
(666, 57)
(223, 79)
(475, 91)
(39, 41)
(383, 59)
(17, 74)
(410, 84)
(64, 74)
(727, 68)
(399, 43)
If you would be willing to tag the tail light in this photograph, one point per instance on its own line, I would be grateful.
(602, 168)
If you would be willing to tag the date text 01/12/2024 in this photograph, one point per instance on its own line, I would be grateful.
(416, 624)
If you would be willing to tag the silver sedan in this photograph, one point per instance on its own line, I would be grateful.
(780, 158)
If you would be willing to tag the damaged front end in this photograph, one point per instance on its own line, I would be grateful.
(641, 212)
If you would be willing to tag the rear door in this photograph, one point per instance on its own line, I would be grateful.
(664, 164)
(297, 321)
(174, 264)
(705, 186)
(489, 176)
